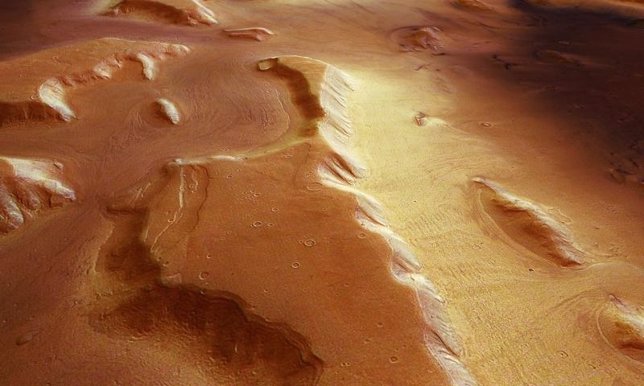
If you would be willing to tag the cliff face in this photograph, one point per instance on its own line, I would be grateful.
(333, 193)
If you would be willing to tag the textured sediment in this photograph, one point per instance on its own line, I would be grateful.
(216, 223)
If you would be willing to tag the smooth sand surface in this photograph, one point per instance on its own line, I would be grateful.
(321, 192)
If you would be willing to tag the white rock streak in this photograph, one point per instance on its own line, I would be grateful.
(169, 110)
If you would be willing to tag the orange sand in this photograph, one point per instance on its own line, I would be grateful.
(333, 193)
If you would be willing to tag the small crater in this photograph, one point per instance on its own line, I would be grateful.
(309, 243)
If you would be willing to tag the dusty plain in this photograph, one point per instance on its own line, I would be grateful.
(268, 192)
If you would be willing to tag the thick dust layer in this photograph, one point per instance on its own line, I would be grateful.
(314, 192)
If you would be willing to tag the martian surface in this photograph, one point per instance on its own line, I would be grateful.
(311, 192)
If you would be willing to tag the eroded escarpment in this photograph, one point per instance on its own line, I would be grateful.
(253, 33)
(622, 325)
(273, 227)
(28, 187)
(525, 223)
(213, 332)
(180, 12)
(41, 95)
(320, 91)
(322, 94)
